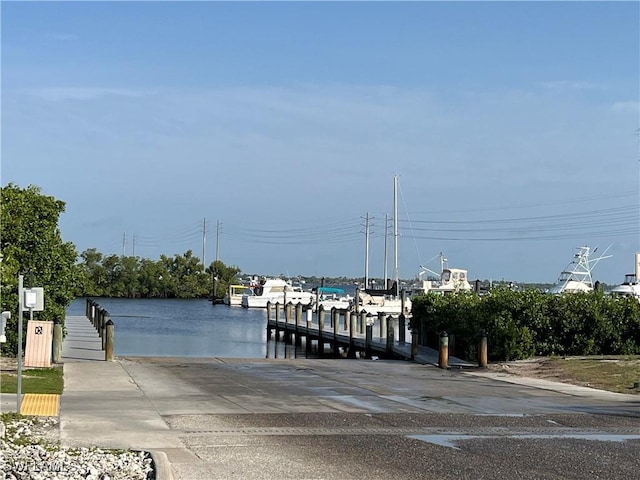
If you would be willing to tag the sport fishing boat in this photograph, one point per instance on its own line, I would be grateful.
(631, 285)
(577, 276)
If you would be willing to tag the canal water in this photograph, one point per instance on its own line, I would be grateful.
(186, 328)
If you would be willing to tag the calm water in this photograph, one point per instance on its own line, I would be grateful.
(185, 328)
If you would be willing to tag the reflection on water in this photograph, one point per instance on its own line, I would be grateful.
(187, 328)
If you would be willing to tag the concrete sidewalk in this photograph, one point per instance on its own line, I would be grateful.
(101, 405)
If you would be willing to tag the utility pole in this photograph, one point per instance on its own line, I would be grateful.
(133, 245)
(124, 243)
(217, 238)
(396, 276)
(366, 251)
(204, 242)
(386, 236)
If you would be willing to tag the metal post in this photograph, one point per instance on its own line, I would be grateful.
(20, 311)
(402, 327)
(443, 357)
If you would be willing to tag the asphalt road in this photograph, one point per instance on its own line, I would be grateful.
(362, 419)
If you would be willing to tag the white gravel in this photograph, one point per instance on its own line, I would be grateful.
(30, 450)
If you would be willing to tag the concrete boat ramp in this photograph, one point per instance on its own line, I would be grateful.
(221, 418)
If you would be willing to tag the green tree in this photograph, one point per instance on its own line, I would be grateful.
(94, 275)
(130, 276)
(32, 245)
(150, 278)
(223, 275)
(185, 276)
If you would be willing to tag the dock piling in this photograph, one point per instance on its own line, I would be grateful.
(482, 351)
(443, 357)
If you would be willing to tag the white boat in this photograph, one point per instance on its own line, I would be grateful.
(383, 301)
(331, 297)
(452, 280)
(577, 276)
(234, 294)
(275, 290)
(631, 285)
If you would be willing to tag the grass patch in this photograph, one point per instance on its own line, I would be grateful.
(34, 380)
(611, 373)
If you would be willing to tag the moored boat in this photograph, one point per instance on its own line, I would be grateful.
(388, 305)
(451, 280)
(631, 285)
(275, 290)
(577, 276)
(234, 294)
(331, 297)
(388, 301)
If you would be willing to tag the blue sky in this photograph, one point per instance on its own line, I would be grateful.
(512, 127)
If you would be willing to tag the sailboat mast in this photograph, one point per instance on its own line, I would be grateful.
(395, 232)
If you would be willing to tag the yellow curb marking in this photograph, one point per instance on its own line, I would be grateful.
(40, 404)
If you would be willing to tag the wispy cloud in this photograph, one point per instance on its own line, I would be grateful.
(569, 85)
(62, 37)
(83, 93)
(632, 106)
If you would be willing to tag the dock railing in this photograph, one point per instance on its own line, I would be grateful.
(103, 324)
(345, 332)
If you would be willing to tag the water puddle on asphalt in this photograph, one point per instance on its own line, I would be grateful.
(451, 440)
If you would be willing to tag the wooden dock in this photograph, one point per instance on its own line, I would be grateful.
(346, 332)
(350, 334)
